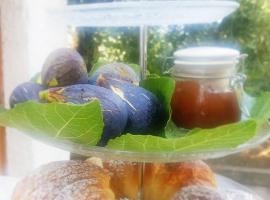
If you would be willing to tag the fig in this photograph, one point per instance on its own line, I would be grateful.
(145, 112)
(113, 108)
(64, 67)
(25, 92)
(118, 71)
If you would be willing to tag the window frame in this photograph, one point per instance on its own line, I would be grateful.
(2, 130)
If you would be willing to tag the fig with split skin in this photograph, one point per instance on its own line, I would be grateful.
(25, 92)
(145, 112)
(118, 71)
(113, 108)
(64, 67)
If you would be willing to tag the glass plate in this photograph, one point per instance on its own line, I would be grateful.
(145, 12)
(107, 154)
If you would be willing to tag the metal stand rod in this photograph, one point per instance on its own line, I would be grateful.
(143, 51)
(141, 174)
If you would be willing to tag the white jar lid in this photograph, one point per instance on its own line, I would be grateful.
(199, 62)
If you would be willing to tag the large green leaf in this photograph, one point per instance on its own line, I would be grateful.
(223, 137)
(81, 124)
(228, 136)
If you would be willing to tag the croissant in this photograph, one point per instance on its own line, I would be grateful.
(162, 181)
(125, 178)
(65, 180)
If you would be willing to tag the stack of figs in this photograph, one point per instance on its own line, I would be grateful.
(126, 107)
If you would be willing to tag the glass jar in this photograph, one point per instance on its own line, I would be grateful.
(208, 88)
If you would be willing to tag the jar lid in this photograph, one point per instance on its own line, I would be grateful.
(199, 62)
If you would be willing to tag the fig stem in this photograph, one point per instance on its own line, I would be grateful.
(43, 95)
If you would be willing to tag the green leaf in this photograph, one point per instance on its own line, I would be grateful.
(223, 137)
(163, 88)
(81, 124)
(260, 110)
(172, 131)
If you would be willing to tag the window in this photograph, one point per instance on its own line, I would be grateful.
(25, 28)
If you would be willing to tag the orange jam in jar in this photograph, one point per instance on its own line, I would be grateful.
(207, 90)
(194, 105)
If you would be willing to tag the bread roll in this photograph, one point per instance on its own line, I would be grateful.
(162, 181)
(65, 180)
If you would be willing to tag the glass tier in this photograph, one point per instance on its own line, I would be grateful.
(146, 12)
(165, 157)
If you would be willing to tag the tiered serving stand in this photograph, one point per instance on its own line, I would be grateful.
(142, 14)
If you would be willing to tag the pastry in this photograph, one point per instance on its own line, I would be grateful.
(65, 180)
(198, 192)
(162, 181)
(125, 178)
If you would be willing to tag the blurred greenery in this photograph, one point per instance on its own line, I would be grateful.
(104, 45)
(71, 2)
(248, 30)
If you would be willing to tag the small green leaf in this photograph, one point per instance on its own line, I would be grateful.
(223, 137)
(81, 124)
(163, 88)
(172, 131)
(260, 110)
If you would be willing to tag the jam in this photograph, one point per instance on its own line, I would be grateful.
(196, 105)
